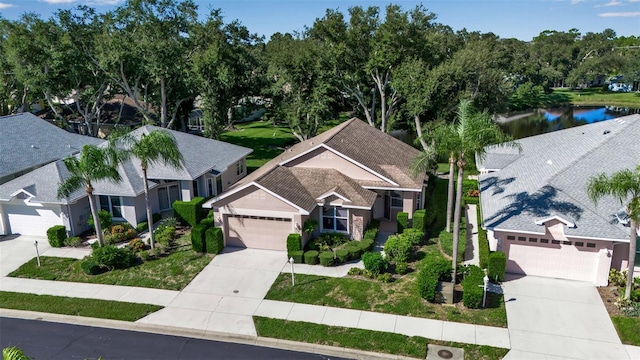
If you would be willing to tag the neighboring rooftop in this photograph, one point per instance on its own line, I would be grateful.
(549, 178)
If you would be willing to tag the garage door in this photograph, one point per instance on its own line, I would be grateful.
(574, 260)
(32, 220)
(258, 232)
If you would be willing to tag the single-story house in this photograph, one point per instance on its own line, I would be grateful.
(341, 178)
(536, 208)
(34, 169)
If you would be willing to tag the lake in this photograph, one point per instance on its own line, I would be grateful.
(546, 120)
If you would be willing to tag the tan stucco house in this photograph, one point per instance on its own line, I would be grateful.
(342, 178)
(535, 204)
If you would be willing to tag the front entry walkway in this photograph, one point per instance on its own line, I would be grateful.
(558, 319)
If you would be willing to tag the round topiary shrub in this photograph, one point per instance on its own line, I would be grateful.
(311, 257)
(354, 251)
(326, 258)
(342, 255)
(374, 262)
(297, 256)
(367, 245)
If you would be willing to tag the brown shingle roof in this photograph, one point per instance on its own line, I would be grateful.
(321, 181)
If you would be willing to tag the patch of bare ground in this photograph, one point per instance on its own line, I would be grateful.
(609, 295)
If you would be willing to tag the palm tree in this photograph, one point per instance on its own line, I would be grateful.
(159, 146)
(92, 164)
(622, 185)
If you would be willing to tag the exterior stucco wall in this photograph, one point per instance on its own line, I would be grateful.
(325, 159)
(79, 214)
(255, 202)
(409, 202)
(230, 176)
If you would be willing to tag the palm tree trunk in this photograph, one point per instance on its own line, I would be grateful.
(94, 213)
(632, 258)
(452, 162)
(152, 241)
(457, 216)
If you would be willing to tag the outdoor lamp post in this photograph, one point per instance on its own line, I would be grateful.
(35, 243)
(293, 275)
(484, 296)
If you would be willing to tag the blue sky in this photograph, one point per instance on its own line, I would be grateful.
(522, 19)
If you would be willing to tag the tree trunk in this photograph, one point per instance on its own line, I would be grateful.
(457, 216)
(452, 170)
(632, 258)
(416, 120)
(163, 104)
(152, 239)
(94, 213)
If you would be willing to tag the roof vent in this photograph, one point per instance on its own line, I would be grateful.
(33, 146)
(606, 132)
(549, 162)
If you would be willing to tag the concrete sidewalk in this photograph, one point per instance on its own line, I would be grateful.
(472, 251)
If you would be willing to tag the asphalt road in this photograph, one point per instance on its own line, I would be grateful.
(48, 340)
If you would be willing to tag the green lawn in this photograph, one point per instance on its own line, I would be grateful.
(591, 96)
(628, 329)
(102, 309)
(367, 340)
(171, 272)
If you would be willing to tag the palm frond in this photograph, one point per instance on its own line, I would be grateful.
(158, 146)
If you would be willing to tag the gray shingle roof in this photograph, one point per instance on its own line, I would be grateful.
(550, 177)
(27, 141)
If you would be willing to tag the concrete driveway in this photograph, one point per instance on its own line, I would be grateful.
(558, 319)
(226, 293)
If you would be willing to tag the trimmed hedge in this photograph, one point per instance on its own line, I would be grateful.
(342, 255)
(497, 266)
(419, 222)
(472, 285)
(367, 245)
(354, 251)
(189, 212)
(427, 285)
(398, 248)
(414, 236)
(214, 240)
(470, 200)
(374, 262)
(483, 248)
(311, 257)
(297, 256)
(437, 266)
(429, 214)
(326, 258)
(198, 241)
(294, 242)
(56, 235)
(403, 221)
(372, 230)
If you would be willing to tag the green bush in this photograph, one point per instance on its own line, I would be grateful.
(374, 262)
(207, 221)
(497, 266)
(367, 245)
(473, 287)
(402, 268)
(468, 186)
(386, 277)
(294, 243)
(354, 251)
(56, 235)
(112, 257)
(142, 227)
(311, 257)
(414, 236)
(403, 221)
(137, 245)
(189, 212)
(198, 237)
(470, 200)
(326, 258)
(342, 255)
(446, 242)
(297, 256)
(483, 248)
(398, 248)
(427, 285)
(371, 233)
(155, 217)
(437, 266)
(214, 240)
(73, 241)
(429, 214)
(90, 266)
(106, 219)
(354, 271)
(419, 222)
(165, 235)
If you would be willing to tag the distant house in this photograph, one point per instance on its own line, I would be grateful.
(535, 205)
(341, 178)
(32, 152)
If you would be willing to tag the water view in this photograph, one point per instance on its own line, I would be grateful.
(547, 120)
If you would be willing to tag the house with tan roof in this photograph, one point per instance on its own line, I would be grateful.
(342, 178)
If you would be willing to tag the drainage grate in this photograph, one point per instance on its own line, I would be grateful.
(235, 291)
(445, 354)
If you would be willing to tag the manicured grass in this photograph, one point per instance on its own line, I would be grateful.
(628, 329)
(171, 272)
(592, 96)
(443, 168)
(102, 309)
(366, 340)
(399, 297)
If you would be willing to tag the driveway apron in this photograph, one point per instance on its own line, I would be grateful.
(225, 295)
(558, 319)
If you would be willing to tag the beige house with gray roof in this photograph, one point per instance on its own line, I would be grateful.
(342, 178)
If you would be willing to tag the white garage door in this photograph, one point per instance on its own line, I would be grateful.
(574, 260)
(32, 220)
(258, 232)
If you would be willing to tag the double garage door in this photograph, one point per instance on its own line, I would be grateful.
(32, 220)
(258, 232)
(558, 259)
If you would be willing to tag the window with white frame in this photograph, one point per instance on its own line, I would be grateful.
(112, 204)
(335, 219)
(240, 167)
(396, 199)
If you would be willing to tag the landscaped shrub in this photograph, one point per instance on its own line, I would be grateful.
(470, 200)
(73, 241)
(446, 242)
(142, 227)
(372, 230)
(617, 278)
(402, 268)
(386, 277)
(354, 271)
(155, 217)
(312, 245)
(326, 258)
(106, 219)
(297, 256)
(311, 257)
(418, 221)
(497, 265)
(398, 248)
(473, 287)
(403, 221)
(331, 240)
(429, 214)
(113, 257)
(137, 245)
(90, 266)
(56, 235)
(198, 237)
(483, 248)
(367, 245)
(165, 233)
(189, 212)
(342, 255)
(374, 262)
(207, 221)
(354, 251)
(427, 285)
(214, 240)
(468, 186)
(438, 266)
(414, 236)
(294, 243)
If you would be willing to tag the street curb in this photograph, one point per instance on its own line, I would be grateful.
(201, 334)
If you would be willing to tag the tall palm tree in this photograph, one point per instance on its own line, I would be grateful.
(159, 146)
(623, 185)
(92, 164)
